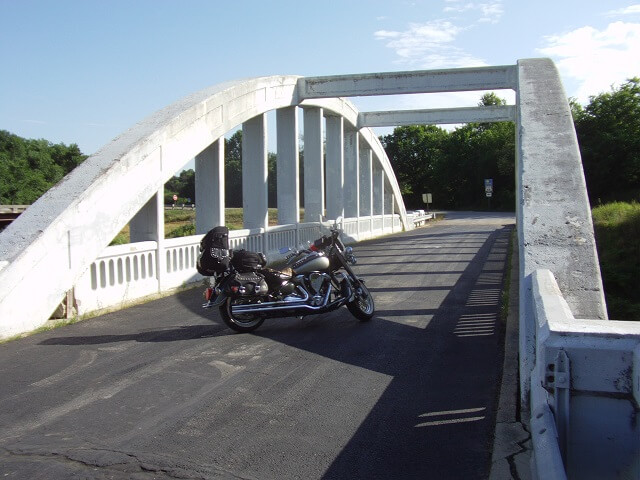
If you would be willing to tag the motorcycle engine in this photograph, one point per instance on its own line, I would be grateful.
(317, 281)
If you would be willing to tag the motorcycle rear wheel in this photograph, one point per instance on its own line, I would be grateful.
(362, 306)
(240, 323)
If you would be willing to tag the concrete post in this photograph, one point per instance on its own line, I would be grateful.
(388, 202)
(288, 166)
(378, 190)
(313, 165)
(210, 187)
(366, 182)
(366, 186)
(254, 172)
(335, 167)
(351, 174)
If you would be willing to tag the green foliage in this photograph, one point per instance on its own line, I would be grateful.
(28, 168)
(183, 185)
(617, 229)
(182, 231)
(608, 131)
(233, 170)
(453, 165)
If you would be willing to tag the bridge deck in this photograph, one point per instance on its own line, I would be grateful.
(165, 389)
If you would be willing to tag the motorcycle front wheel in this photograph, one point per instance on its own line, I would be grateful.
(240, 323)
(362, 306)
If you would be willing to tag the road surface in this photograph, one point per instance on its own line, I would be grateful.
(165, 390)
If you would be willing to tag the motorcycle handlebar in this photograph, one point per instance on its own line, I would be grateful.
(322, 242)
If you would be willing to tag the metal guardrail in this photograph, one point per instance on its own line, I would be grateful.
(419, 219)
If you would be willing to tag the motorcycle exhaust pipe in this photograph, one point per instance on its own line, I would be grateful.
(294, 308)
(298, 308)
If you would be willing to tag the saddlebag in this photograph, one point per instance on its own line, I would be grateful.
(215, 255)
(246, 284)
(244, 261)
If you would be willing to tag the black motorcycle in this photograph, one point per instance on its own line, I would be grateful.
(314, 280)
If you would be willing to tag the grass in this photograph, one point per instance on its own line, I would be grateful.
(617, 230)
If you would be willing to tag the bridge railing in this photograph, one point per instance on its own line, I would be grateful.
(123, 274)
(585, 391)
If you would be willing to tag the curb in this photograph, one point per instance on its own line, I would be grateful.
(511, 458)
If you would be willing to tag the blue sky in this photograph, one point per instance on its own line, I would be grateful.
(83, 71)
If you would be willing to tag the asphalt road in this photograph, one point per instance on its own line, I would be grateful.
(166, 390)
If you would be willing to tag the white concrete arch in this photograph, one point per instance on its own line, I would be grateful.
(54, 241)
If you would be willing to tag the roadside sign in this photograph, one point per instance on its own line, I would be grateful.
(488, 185)
(489, 194)
(427, 198)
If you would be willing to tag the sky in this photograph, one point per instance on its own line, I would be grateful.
(84, 71)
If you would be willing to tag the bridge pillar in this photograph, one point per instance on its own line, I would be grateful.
(210, 187)
(366, 185)
(378, 191)
(366, 182)
(351, 174)
(388, 202)
(254, 173)
(313, 165)
(288, 166)
(335, 166)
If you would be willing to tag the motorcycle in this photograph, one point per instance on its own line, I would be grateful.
(314, 280)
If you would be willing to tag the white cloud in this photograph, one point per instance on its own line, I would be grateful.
(489, 12)
(428, 45)
(596, 59)
(630, 10)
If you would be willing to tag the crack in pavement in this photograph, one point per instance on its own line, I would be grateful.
(112, 464)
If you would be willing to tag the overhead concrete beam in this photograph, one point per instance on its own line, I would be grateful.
(501, 113)
(420, 81)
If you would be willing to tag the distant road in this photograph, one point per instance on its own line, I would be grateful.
(8, 213)
(165, 390)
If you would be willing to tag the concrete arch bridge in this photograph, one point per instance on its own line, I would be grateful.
(575, 365)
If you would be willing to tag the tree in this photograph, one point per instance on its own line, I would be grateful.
(416, 154)
(453, 165)
(183, 185)
(608, 131)
(233, 170)
(28, 168)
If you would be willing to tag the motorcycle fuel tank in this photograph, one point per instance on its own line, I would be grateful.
(314, 262)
